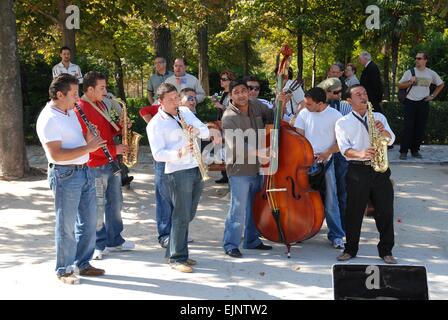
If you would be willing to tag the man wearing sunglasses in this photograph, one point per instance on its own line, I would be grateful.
(188, 99)
(254, 90)
(416, 104)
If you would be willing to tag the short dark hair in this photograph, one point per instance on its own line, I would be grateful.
(64, 48)
(425, 55)
(61, 83)
(165, 88)
(184, 91)
(237, 82)
(90, 79)
(317, 95)
(181, 58)
(349, 89)
(250, 78)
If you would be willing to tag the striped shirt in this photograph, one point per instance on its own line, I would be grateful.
(342, 106)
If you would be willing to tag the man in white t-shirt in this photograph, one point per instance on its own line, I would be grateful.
(317, 123)
(416, 105)
(71, 181)
(65, 66)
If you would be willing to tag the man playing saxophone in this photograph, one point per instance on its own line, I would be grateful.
(171, 144)
(364, 180)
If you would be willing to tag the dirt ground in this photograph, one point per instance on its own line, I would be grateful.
(27, 254)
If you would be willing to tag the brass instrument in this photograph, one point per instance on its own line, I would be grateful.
(130, 138)
(379, 162)
(197, 154)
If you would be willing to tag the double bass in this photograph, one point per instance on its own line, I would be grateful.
(287, 209)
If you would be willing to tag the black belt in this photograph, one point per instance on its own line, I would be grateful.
(364, 163)
(68, 166)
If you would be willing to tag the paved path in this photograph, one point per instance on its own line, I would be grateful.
(27, 245)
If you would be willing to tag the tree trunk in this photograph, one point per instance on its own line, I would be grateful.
(119, 78)
(68, 35)
(300, 54)
(386, 70)
(13, 161)
(313, 84)
(163, 45)
(203, 58)
(301, 9)
(394, 46)
(246, 51)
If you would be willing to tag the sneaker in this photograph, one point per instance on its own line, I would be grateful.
(403, 156)
(126, 246)
(97, 254)
(182, 267)
(417, 155)
(91, 271)
(338, 243)
(164, 242)
(69, 278)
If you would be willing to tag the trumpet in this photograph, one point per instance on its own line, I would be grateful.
(196, 150)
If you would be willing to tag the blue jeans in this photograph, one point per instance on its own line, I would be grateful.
(164, 205)
(242, 193)
(109, 202)
(75, 207)
(185, 189)
(340, 169)
(331, 205)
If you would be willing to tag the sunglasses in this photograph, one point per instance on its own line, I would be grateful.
(337, 91)
(419, 58)
(254, 88)
(224, 79)
(191, 98)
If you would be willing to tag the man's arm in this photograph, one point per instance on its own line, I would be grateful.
(435, 93)
(150, 97)
(200, 93)
(60, 154)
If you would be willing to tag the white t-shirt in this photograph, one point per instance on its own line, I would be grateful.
(54, 125)
(319, 127)
(420, 89)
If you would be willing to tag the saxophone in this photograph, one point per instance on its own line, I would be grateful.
(130, 138)
(379, 162)
(196, 150)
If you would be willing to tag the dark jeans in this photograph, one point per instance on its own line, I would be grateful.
(415, 119)
(340, 170)
(185, 189)
(164, 205)
(364, 183)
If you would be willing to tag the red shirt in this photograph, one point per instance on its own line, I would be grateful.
(152, 110)
(105, 129)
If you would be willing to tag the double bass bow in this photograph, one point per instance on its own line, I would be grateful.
(287, 209)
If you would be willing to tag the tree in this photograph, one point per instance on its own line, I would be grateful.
(13, 161)
(55, 13)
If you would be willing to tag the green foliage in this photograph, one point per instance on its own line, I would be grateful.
(436, 130)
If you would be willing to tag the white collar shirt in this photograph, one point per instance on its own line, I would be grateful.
(166, 138)
(351, 133)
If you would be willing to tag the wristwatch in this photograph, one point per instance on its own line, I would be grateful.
(432, 96)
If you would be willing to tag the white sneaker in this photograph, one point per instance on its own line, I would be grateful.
(126, 246)
(97, 254)
(338, 243)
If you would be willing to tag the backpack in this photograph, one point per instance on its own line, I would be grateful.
(403, 93)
